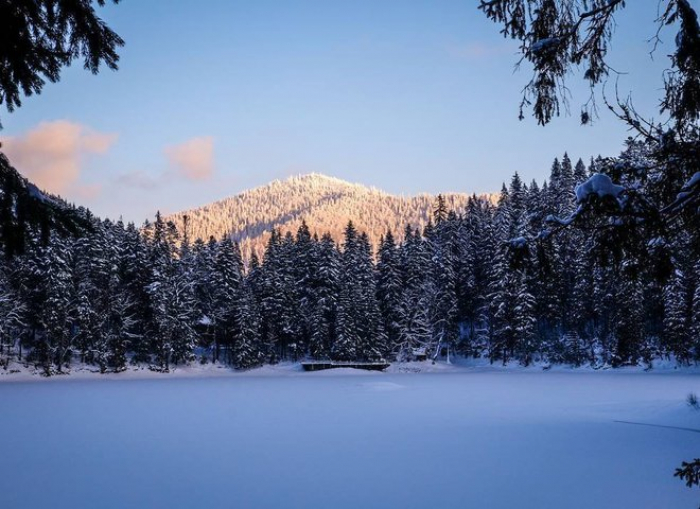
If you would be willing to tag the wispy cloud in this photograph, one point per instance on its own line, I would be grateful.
(192, 159)
(139, 180)
(53, 154)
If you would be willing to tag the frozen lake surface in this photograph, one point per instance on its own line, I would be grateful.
(476, 439)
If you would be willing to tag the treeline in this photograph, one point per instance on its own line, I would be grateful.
(469, 283)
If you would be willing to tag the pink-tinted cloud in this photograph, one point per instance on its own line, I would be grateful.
(52, 154)
(193, 159)
(86, 192)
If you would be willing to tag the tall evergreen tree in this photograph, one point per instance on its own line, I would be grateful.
(389, 290)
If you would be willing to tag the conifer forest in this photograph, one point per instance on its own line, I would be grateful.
(488, 280)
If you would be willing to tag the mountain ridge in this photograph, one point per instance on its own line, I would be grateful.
(325, 202)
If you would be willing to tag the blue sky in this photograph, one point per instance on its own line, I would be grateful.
(215, 97)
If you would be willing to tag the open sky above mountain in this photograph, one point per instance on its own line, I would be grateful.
(215, 98)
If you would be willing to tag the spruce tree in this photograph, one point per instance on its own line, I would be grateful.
(324, 333)
(12, 317)
(246, 345)
(389, 290)
(677, 317)
(225, 286)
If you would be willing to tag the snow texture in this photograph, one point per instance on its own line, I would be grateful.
(518, 243)
(690, 189)
(34, 191)
(544, 44)
(280, 438)
(693, 181)
(600, 185)
(552, 219)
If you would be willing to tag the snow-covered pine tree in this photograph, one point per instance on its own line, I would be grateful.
(695, 311)
(203, 293)
(225, 286)
(502, 286)
(525, 321)
(324, 333)
(580, 172)
(628, 328)
(12, 318)
(440, 212)
(348, 346)
(183, 309)
(580, 315)
(677, 317)
(276, 284)
(305, 273)
(414, 317)
(564, 187)
(246, 345)
(91, 278)
(135, 275)
(171, 295)
(445, 329)
(373, 339)
(290, 340)
(476, 248)
(53, 299)
(389, 290)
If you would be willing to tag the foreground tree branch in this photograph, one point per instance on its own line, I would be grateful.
(40, 37)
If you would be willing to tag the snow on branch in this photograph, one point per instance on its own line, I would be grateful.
(600, 185)
(689, 192)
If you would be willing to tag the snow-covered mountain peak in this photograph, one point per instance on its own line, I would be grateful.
(326, 203)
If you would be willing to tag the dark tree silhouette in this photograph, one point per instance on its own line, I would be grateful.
(634, 204)
(557, 35)
(39, 37)
(659, 193)
(689, 472)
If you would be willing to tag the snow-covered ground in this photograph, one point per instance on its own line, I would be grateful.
(22, 372)
(279, 438)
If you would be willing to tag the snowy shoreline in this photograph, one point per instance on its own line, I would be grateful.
(20, 372)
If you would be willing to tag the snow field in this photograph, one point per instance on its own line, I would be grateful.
(453, 439)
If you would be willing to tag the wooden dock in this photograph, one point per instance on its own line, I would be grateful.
(320, 365)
